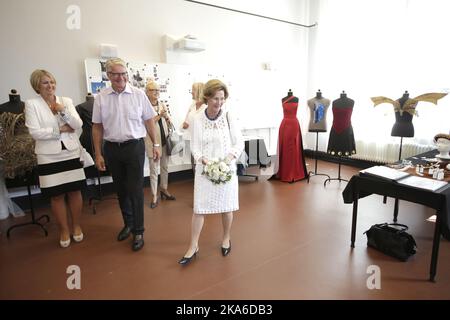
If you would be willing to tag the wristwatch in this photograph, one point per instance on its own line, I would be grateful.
(156, 144)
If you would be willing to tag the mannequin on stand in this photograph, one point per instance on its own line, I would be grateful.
(341, 142)
(14, 105)
(7, 206)
(85, 111)
(318, 107)
(405, 109)
(291, 160)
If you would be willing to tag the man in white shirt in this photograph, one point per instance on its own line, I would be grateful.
(122, 116)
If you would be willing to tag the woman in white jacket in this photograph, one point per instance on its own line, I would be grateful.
(55, 125)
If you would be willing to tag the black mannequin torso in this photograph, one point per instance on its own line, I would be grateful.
(318, 95)
(14, 105)
(403, 99)
(85, 111)
(343, 101)
(403, 126)
(290, 96)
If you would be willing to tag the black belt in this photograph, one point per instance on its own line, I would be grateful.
(123, 143)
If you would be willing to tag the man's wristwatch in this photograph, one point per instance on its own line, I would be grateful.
(156, 145)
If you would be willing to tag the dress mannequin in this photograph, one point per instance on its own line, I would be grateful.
(14, 105)
(85, 111)
(405, 109)
(403, 126)
(318, 107)
(10, 166)
(291, 161)
(341, 141)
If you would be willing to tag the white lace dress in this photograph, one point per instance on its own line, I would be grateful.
(215, 139)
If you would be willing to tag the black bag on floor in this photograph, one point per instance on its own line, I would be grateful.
(391, 239)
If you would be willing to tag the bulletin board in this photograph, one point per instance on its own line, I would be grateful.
(255, 95)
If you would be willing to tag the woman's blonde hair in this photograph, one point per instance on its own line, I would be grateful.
(211, 87)
(197, 91)
(151, 84)
(36, 76)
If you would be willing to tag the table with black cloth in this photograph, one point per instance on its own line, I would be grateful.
(361, 186)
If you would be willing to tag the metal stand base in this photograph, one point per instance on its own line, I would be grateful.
(34, 221)
(338, 178)
(313, 174)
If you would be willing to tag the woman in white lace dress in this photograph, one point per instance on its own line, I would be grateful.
(215, 135)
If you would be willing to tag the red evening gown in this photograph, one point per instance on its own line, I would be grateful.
(291, 161)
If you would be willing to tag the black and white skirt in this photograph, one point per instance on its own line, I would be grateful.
(60, 173)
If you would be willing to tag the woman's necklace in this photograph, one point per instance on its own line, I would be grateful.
(49, 104)
(215, 117)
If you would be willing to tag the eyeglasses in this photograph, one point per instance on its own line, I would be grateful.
(118, 74)
(153, 90)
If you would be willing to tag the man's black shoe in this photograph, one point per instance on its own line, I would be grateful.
(138, 242)
(124, 234)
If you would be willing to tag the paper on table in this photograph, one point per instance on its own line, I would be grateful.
(385, 172)
(423, 183)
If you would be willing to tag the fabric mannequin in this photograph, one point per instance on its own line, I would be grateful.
(291, 161)
(16, 148)
(405, 109)
(16, 158)
(14, 105)
(85, 111)
(318, 107)
(342, 141)
(403, 126)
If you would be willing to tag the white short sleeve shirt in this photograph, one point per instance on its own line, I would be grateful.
(122, 114)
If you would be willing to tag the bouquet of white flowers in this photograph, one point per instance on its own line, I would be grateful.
(217, 171)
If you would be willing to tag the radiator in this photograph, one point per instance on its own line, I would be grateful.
(387, 153)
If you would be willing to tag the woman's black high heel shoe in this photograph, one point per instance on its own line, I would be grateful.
(165, 196)
(186, 260)
(226, 251)
(153, 205)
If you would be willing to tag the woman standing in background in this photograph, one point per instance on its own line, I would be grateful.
(162, 123)
(196, 107)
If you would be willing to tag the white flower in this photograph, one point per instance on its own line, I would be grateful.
(217, 171)
(224, 167)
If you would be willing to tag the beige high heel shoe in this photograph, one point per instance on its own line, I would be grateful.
(78, 238)
(64, 243)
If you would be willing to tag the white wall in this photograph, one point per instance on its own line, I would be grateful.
(381, 48)
(33, 34)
